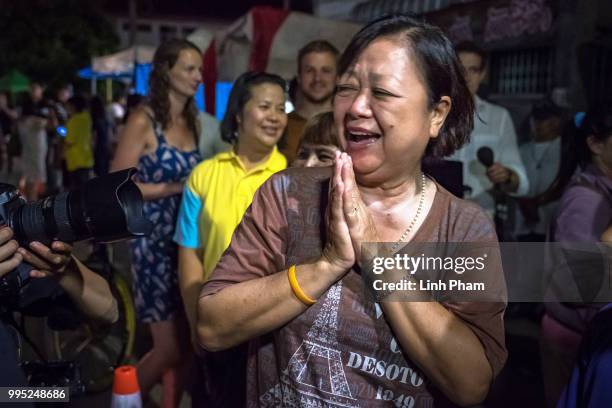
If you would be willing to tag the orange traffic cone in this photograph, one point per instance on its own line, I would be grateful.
(126, 392)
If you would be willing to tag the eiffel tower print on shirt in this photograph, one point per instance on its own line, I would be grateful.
(314, 376)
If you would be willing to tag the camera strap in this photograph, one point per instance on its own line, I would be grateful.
(9, 318)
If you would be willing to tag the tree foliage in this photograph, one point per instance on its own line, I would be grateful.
(50, 40)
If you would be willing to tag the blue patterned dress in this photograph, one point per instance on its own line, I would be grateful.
(154, 258)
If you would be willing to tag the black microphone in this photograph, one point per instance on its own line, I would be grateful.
(485, 156)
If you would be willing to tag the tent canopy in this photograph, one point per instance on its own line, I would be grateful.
(123, 61)
(131, 63)
(14, 82)
(264, 39)
(269, 39)
(89, 73)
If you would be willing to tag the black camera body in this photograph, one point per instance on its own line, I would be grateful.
(10, 202)
(106, 208)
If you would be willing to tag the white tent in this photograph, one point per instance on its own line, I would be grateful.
(264, 39)
(123, 61)
(278, 33)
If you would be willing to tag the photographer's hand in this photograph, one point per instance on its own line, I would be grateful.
(48, 261)
(9, 257)
(90, 291)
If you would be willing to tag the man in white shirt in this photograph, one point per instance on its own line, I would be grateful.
(493, 128)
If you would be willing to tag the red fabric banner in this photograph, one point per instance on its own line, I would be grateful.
(209, 76)
(266, 22)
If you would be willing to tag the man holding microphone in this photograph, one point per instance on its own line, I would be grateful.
(493, 138)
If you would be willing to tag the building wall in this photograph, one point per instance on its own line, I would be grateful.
(593, 53)
(153, 31)
(335, 9)
(372, 9)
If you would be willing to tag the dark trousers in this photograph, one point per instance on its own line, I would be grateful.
(220, 378)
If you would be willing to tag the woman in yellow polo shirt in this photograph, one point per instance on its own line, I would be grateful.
(78, 143)
(217, 194)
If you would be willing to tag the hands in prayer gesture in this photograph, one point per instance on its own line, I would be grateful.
(349, 223)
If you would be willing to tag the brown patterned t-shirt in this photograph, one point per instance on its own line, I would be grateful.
(341, 351)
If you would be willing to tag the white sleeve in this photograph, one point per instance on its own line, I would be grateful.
(211, 143)
(509, 155)
(220, 145)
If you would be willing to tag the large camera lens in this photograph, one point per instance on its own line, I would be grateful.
(106, 208)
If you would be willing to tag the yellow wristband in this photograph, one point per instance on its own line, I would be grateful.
(297, 291)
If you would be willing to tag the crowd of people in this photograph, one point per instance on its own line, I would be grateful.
(252, 270)
(52, 144)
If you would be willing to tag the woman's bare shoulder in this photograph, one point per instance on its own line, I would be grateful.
(139, 125)
(140, 117)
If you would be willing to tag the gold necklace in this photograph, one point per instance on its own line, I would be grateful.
(416, 216)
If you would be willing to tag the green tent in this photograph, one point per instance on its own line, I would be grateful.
(14, 82)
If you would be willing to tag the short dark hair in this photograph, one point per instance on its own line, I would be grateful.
(597, 122)
(546, 109)
(240, 95)
(437, 63)
(316, 46)
(79, 102)
(320, 130)
(471, 47)
(96, 108)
